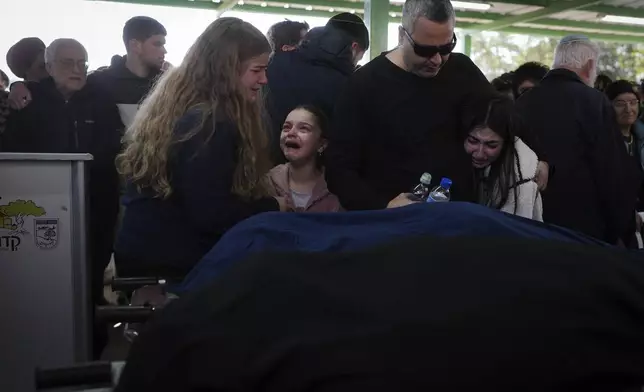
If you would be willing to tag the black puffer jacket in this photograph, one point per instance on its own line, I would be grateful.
(314, 74)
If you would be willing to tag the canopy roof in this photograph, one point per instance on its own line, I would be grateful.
(608, 20)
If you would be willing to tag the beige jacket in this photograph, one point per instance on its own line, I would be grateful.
(529, 204)
(321, 200)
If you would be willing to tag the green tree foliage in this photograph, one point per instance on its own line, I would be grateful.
(497, 53)
(622, 61)
(22, 208)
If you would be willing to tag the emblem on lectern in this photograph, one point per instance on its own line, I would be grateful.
(46, 233)
(13, 216)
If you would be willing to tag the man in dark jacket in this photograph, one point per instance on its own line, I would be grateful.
(129, 79)
(315, 73)
(67, 115)
(576, 125)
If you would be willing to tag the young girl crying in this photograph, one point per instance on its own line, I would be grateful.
(301, 180)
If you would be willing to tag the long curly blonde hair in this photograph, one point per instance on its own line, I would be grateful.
(207, 80)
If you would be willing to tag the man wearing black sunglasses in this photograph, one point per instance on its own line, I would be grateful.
(425, 60)
(400, 115)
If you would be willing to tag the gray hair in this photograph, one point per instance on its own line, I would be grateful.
(52, 49)
(439, 11)
(574, 51)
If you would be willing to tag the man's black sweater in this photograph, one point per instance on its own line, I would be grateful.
(390, 126)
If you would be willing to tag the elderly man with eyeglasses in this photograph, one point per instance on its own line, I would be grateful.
(67, 115)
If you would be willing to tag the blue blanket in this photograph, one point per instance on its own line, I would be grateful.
(342, 231)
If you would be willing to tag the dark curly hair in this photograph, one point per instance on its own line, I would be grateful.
(602, 82)
(531, 71)
(503, 84)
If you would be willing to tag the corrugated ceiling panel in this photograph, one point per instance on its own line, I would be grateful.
(298, 6)
(625, 3)
(574, 29)
(497, 8)
(471, 20)
(513, 9)
(502, 8)
(576, 15)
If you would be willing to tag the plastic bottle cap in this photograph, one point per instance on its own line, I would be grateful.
(426, 179)
(446, 183)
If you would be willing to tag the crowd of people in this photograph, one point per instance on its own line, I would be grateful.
(618, 107)
(193, 148)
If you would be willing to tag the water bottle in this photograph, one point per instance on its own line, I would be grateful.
(441, 192)
(421, 191)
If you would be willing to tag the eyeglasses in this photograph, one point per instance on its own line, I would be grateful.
(620, 104)
(431, 50)
(70, 64)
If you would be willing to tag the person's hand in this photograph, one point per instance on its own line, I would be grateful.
(283, 204)
(19, 96)
(401, 200)
(541, 178)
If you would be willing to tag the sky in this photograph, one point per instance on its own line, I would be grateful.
(98, 26)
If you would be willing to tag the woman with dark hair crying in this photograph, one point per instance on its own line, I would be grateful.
(300, 181)
(504, 165)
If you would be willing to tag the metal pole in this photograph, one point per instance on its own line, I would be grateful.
(467, 45)
(376, 14)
